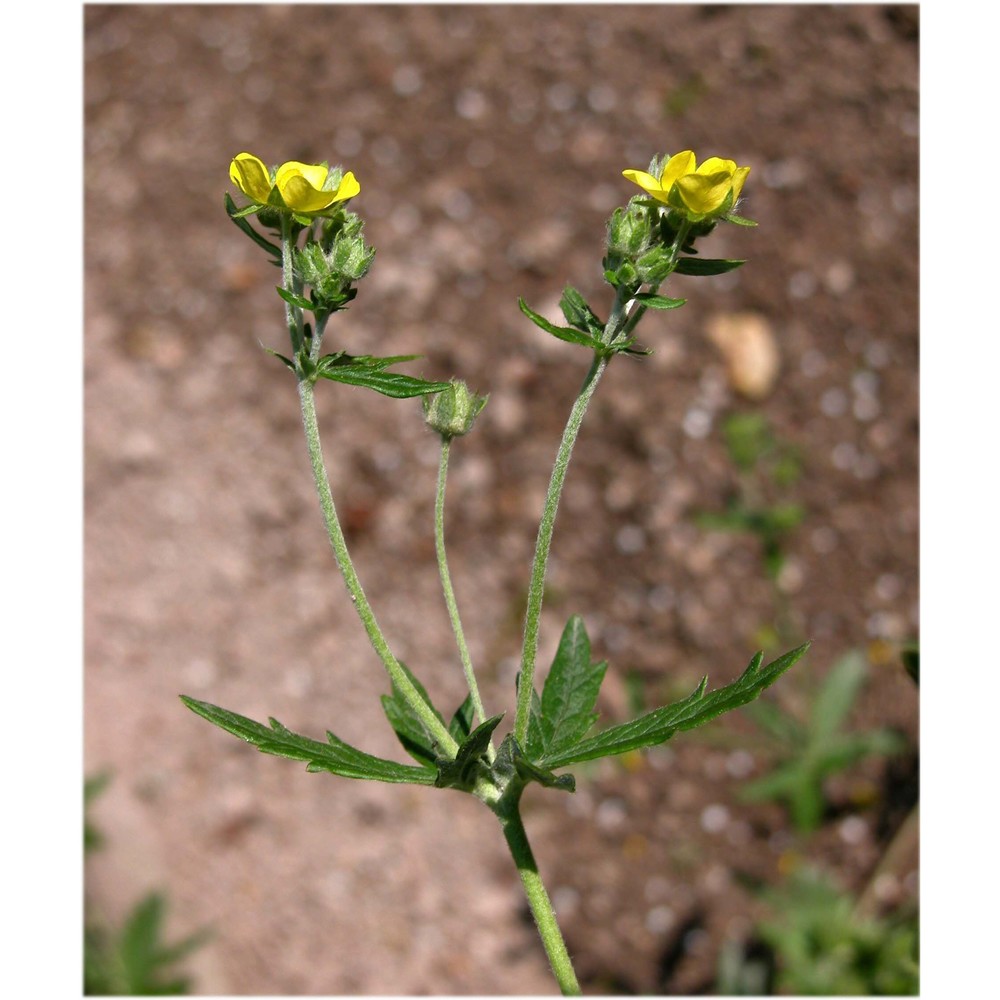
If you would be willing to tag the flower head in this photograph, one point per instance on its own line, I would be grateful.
(301, 187)
(701, 191)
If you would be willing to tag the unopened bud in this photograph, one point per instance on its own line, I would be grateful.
(453, 411)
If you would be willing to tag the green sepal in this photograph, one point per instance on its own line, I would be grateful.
(578, 313)
(238, 216)
(653, 301)
(369, 372)
(461, 722)
(407, 724)
(529, 771)
(567, 333)
(706, 266)
(698, 708)
(739, 220)
(463, 771)
(295, 300)
(334, 756)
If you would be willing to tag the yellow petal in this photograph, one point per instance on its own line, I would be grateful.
(716, 165)
(300, 196)
(313, 173)
(647, 182)
(739, 176)
(677, 166)
(251, 176)
(704, 193)
(348, 187)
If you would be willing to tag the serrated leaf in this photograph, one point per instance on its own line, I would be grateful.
(567, 333)
(461, 772)
(534, 742)
(391, 384)
(652, 301)
(698, 708)
(461, 722)
(705, 266)
(570, 690)
(334, 756)
(238, 216)
(407, 724)
(578, 313)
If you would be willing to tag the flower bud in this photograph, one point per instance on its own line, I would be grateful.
(453, 411)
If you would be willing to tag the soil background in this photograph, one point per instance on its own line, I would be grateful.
(489, 142)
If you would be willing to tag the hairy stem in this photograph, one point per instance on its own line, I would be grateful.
(536, 587)
(538, 899)
(336, 535)
(449, 591)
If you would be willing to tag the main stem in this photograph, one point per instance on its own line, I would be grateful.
(538, 899)
(449, 591)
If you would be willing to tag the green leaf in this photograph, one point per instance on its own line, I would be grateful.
(570, 691)
(295, 300)
(534, 739)
(462, 771)
(334, 756)
(652, 301)
(461, 722)
(370, 376)
(836, 696)
(566, 333)
(704, 266)
(407, 724)
(578, 313)
(695, 710)
(237, 215)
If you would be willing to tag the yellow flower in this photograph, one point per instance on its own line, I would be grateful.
(300, 186)
(700, 190)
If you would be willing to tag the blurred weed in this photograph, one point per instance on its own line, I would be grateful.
(766, 465)
(808, 750)
(132, 960)
(818, 943)
(683, 97)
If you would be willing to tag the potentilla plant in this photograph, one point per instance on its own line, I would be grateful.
(305, 226)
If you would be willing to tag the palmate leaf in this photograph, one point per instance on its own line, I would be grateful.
(658, 726)
(334, 756)
(578, 313)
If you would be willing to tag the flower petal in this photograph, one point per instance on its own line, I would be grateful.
(715, 165)
(313, 173)
(739, 176)
(647, 182)
(348, 187)
(250, 175)
(704, 193)
(677, 166)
